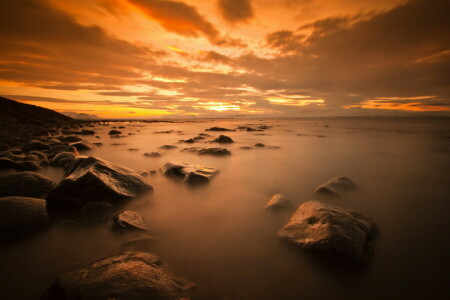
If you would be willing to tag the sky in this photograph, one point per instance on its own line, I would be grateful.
(227, 58)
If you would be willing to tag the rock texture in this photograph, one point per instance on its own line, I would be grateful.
(335, 186)
(129, 220)
(208, 151)
(189, 173)
(90, 179)
(21, 216)
(278, 202)
(223, 139)
(25, 184)
(330, 229)
(127, 276)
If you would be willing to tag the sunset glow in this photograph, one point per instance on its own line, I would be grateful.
(176, 58)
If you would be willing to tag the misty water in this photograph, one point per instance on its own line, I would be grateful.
(220, 237)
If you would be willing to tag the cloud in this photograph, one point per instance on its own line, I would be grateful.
(235, 10)
(183, 19)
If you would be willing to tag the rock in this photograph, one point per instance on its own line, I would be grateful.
(62, 159)
(223, 139)
(21, 216)
(144, 173)
(189, 173)
(219, 129)
(153, 172)
(246, 148)
(83, 145)
(335, 186)
(115, 132)
(208, 151)
(133, 149)
(87, 132)
(29, 166)
(278, 202)
(96, 212)
(168, 147)
(61, 148)
(188, 141)
(129, 220)
(7, 163)
(25, 184)
(259, 145)
(69, 139)
(330, 229)
(152, 154)
(35, 145)
(98, 144)
(126, 276)
(90, 179)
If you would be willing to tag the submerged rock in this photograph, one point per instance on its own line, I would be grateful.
(126, 276)
(63, 159)
(35, 145)
(168, 147)
(189, 173)
(114, 132)
(129, 220)
(29, 165)
(90, 179)
(21, 216)
(330, 229)
(152, 154)
(25, 184)
(208, 151)
(278, 202)
(335, 186)
(96, 212)
(219, 129)
(223, 139)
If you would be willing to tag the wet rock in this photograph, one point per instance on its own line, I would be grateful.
(90, 179)
(7, 163)
(278, 202)
(223, 139)
(61, 148)
(83, 146)
(189, 173)
(188, 141)
(126, 276)
(97, 212)
(219, 129)
(259, 145)
(153, 172)
(246, 148)
(167, 131)
(208, 151)
(144, 173)
(332, 230)
(29, 165)
(168, 147)
(63, 159)
(114, 132)
(98, 144)
(25, 184)
(129, 220)
(21, 216)
(35, 145)
(335, 186)
(152, 154)
(133, 149)
(69, 139)
(87, 132)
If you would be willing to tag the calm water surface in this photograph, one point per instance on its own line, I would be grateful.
(220, 237)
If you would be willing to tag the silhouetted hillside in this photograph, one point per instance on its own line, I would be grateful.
(19, 121)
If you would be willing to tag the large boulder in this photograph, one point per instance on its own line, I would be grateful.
(278, 202)
(25, 184)
(331, 229)
(126, 276)
(335, 186)
(21, 216)
(90, 179)
(189, 173)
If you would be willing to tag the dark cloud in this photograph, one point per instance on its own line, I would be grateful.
(235, 10)
(43, 46)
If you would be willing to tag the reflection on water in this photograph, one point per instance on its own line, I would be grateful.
(220, 237)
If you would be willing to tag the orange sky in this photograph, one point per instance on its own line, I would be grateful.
(174, 58)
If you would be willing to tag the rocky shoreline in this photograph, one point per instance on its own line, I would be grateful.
(94, 191)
